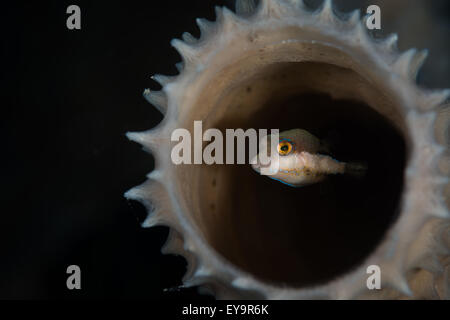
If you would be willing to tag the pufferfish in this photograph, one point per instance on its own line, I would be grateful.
(304, 160)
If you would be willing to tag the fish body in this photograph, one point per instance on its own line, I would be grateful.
(303, 160)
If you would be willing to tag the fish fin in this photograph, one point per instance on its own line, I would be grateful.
(356, 169)
(286, 183)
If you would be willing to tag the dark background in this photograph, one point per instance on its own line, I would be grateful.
(69, 97)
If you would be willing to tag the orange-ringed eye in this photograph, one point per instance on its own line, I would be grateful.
(284, 148)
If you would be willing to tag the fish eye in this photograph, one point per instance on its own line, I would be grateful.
(284, 148)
